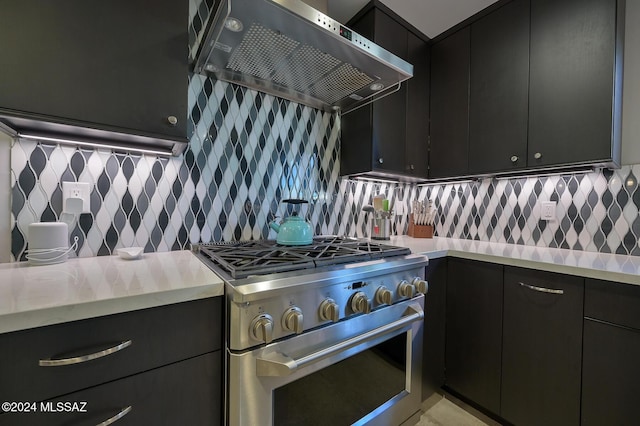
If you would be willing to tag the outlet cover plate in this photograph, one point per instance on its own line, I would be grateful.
(76, 190)
(548, 210)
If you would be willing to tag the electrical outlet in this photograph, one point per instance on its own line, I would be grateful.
(548, 210)
(74, 191)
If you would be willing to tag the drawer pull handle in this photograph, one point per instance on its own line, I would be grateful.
(542, 289)
(83, 358)
(115, 418)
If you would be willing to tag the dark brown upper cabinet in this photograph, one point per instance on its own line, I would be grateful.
(575, 83)
(119, 66)
(499, 86)
(389, 137)
(449, 134)
(526, 86)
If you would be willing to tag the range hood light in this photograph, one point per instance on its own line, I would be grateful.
(233, 24)
(94, 145)
(376, 86)
(212, 68)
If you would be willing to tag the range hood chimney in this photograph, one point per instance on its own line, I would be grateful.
(289, 49)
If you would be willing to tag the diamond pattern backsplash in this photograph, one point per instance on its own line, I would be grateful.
(248, 151)
(596, 211)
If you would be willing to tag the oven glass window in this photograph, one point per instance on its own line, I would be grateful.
(344, 392)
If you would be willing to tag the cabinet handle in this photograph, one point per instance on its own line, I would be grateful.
(537, 155)
(83, 358)
(115, 418)
(542, 289)
(514, 158)
(380, 160)
(172, 119)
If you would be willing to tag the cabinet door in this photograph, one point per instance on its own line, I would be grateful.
(184, 393)
(356, 131)
(118, 65)
(434, 327)
(573, 48)
(610, 372)
(417, 146)
(389, 113)
(474, 331)
(499, 84)
(449, 138)
(542, 347)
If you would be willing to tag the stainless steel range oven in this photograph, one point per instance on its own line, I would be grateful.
(324, 334)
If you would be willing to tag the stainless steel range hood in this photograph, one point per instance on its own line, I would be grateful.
(289, 49)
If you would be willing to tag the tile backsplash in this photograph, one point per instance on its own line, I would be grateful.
(596, 211)
(248, 151)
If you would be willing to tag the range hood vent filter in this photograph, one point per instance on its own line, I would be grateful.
(260, 51)
(288, 49)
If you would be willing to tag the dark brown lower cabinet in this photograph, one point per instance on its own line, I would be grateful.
(184, 393)
(611, 374)
(163, 362)
(474, 331)
(611, 354)
(542, 347)
(434, 327)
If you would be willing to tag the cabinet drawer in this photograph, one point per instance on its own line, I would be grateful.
(158, 336)
(613, 302)
(187, 393)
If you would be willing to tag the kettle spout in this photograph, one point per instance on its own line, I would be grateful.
(274, 226)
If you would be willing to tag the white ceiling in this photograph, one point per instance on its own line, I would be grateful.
(431, 17)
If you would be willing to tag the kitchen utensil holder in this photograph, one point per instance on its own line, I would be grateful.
(419, 231)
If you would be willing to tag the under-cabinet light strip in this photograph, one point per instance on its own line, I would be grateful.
(372, 179)
(94, 144)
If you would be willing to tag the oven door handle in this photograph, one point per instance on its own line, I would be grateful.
(278, 364)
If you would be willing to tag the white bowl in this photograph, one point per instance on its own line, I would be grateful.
(130, 253)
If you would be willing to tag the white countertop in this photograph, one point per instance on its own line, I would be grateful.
(34, 296)
(611, 267)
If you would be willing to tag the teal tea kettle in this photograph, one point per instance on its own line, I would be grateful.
(293, 230)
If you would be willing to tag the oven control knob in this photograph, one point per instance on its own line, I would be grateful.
(384, 296)
(406, 289)
(262, 328)
(422, 286)
(360, 303)
(292, 320)
(329, 310)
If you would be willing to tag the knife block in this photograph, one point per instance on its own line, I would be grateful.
(419, 231)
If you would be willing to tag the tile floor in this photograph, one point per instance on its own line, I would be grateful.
(445, 410)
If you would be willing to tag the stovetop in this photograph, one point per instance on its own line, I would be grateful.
(241, 259)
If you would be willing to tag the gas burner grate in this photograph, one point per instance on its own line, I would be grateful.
(244, 258)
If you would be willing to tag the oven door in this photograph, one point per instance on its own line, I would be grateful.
(363, 370)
